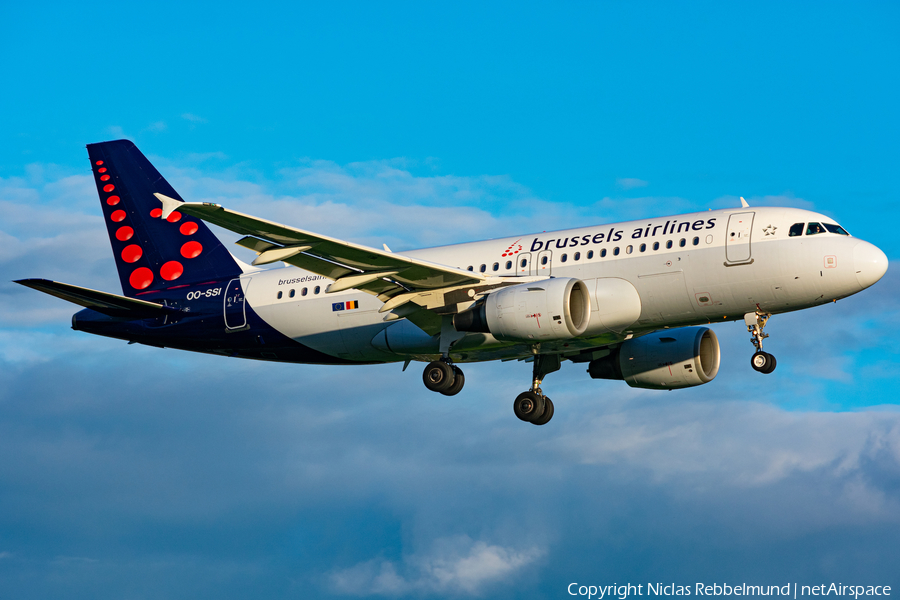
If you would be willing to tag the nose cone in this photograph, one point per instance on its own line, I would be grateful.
(869, 262)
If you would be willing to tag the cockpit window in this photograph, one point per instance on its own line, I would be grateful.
(796, 229)
(814, 228)
(832, 228)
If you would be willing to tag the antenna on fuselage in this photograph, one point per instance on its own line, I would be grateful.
(744, 203)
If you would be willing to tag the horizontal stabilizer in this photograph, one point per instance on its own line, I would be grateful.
(102, 302)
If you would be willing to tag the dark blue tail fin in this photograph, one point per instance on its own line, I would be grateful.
(152, 253)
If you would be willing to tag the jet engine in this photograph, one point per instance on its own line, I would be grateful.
(551, 309)
(664, 360)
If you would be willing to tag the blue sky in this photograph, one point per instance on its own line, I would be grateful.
(138, 472)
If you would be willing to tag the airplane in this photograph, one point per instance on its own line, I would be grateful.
(630, 300)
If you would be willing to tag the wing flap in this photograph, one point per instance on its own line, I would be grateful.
(326, 255)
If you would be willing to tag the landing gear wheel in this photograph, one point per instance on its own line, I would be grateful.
(548, 413)
(459, 380)
(438, 376)
(528, 406)
(763, 362)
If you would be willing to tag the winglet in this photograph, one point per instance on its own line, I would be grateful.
(743, 202)
(169, 205)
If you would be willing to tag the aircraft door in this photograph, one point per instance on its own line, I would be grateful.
(737, 238)
(544, 263)
(235, 304)
(523, 266)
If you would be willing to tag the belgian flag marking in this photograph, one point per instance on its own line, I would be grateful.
(348, 305)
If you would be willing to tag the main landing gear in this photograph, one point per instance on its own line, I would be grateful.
(444, 377)
(533, 406)
(760, 361)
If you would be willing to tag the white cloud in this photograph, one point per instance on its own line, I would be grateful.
(193, 118)
(456, 565)
(157, 127)
(116, 132)
(629, 183)
(743, 445)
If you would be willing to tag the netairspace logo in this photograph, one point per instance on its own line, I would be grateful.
(622, 592)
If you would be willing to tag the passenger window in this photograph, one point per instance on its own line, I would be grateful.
(590, 254)
(471, 268)
(496, 267)
(682, 243)
(564, 258)
(291, 293)
(656, 245)
(669, 244)
(303, 292)
(629, 249)
(280, 294)
(577, 256)
(795, 230)
(836, 229)
(317, 289)
(522, 264)
(814, 228)
(643, 247)
(543, 260)
(616, 251)
(508, 265)
(482, 268)
(696, 241)
(603, 253)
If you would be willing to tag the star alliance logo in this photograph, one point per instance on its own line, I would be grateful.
(770, 230)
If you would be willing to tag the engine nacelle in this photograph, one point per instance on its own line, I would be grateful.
(664, 360)
(551, 309)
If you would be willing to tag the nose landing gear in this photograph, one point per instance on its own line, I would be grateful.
(760, 361)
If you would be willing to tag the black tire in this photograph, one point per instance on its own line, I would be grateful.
(548, 412)
(528, 406)
(772, 364)
(438, 376)
(760, 361)
(459, 380)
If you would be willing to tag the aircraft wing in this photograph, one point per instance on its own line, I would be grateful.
(394, 278)
(103, 302)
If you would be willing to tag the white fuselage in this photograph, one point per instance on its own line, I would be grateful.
(689, 269)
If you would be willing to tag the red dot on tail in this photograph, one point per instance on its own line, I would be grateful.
(156, 213)
(171, 270)
(99, 162)
(174, 217)
(108, 187)
(188, 228)
(118, 215)
(124, 233)
(141, 278)
(104, 178)
(132, 253)
(113, 200)
(101, 170)
(191, 249)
